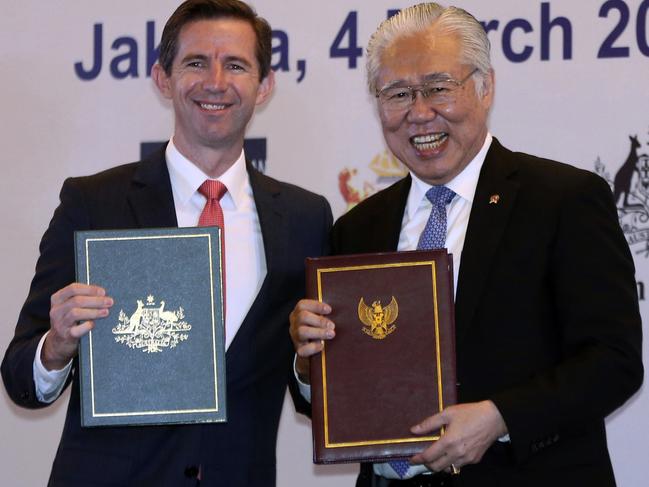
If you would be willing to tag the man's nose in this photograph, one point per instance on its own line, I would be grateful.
(215, 78)
(422, 108)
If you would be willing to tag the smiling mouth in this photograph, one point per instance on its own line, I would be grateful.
(212, 107)
(428, 141)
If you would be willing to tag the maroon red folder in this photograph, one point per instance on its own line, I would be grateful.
(392, 362)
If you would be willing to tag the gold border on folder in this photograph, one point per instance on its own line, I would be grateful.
(323, 355)
(216, 385)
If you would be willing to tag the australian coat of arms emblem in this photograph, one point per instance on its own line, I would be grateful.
(378, 319)
(151, 328)
(630, 186)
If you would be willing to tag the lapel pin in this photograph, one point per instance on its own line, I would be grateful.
(494, 199)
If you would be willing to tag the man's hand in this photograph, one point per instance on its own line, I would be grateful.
(72, 311)
(309, 327)
(470, 429)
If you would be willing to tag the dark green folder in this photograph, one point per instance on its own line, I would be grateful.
(159, 357)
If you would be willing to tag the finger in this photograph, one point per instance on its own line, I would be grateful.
(432, 423)
(310, 333)
(66, 316)
(61, 308)
(313, 306)
(442, 464)
(300, 318)
(434, 457)
(76, 289)
(90, 302)
(310, 348)
(305, 317)
(81, 329)
(79, 315)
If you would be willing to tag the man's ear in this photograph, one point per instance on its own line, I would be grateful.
(265, 88)
(161, 80)
(489, 89)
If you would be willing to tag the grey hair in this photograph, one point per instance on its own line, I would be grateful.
(475, 45)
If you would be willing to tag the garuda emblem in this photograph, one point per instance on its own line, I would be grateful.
(151, 328)
(378, 320)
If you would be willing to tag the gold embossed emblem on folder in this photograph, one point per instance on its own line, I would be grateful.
(378, 319)
(151, 328)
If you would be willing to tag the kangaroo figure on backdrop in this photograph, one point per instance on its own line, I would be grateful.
(624, 176)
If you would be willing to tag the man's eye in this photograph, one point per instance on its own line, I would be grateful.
(195, 64)
(235, 67)
(439, 88)
(400, 94)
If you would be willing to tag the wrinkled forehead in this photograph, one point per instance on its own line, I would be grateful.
(414, 57)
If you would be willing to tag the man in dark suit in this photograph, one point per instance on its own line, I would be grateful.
(215, 68)
(548, 332)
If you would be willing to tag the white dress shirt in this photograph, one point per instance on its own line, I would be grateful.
(245, 260)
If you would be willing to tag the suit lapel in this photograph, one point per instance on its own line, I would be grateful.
(492, 206)
(379, 232)
(388, 236)
(267, 195)
(150, 196)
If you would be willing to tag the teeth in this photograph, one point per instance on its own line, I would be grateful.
(428, 138)
(428, 141)
(212, 106)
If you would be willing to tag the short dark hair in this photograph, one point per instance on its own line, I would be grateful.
(194, 10)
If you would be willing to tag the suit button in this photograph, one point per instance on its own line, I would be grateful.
(24, 395)
(191, 472)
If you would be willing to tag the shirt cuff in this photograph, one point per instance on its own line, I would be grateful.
(49, 383)
(305, 389)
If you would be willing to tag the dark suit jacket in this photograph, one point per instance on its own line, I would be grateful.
(241, 452)
(547, 317)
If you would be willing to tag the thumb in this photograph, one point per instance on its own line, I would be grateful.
(432, 423)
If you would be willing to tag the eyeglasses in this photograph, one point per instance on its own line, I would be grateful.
(438, 92)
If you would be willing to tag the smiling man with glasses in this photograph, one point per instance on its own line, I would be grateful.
(548, 332)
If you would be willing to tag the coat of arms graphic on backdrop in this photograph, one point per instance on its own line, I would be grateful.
(630, 187)
(355, 185)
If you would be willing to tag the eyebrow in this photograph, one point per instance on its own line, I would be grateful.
(240, 60)
(228, 59)
(425, 79)
(437, 77)
(193, 57)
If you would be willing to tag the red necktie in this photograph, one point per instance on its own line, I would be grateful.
(212, 215)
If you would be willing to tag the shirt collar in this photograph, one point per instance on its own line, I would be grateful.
(464, 184)
(186, 177)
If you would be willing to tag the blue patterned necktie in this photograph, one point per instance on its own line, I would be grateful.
(433, 237)
(434, 234)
